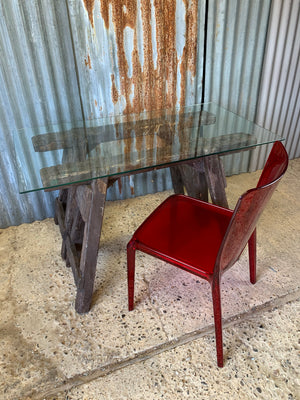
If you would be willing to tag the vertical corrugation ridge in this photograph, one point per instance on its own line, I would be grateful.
(279, 98)
(236, 40)
(37, 88)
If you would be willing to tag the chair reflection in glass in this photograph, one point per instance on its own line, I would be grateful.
(206, 239)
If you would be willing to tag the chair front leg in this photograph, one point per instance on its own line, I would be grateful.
(216, 295)
(252, 256)
(130, 273)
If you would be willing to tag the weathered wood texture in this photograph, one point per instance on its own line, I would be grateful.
(88, 260)
(79, 214)
(190, 178)
(216, 180)
(98, 167)
(163, 125)
(201, 177)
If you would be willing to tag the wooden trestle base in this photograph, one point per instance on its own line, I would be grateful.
(79, 214)
(80, 209)
(200, 177)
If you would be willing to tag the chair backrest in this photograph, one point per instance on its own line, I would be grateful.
(249, 208)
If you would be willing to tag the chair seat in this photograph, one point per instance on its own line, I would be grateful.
(186, 232)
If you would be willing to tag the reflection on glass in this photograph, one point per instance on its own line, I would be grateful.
(63, 154)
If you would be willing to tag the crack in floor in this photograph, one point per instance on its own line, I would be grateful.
(171, 344)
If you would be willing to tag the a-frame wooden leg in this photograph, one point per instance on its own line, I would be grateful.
(177, 181)
(190, 176)
(79, 214)
(199, 177)
(216, 180)
(92, 214)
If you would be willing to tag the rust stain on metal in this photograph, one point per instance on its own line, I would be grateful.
(104, 9)
(150, 87)
(87, 62)
(153, 87)
(166, 33)
(114, 90)
(89, 6)
(124, 13)
(191, 35)
(188, 62)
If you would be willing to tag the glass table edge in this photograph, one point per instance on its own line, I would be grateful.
(148, 168)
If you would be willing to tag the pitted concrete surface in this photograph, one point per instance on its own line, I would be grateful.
(165, 348)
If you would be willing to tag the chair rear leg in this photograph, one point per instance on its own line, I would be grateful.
(216, 295)
(130, 274)
(252, 256)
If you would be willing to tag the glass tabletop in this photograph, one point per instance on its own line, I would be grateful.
(52, 156)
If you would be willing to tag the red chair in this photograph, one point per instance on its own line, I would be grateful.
(206, 239)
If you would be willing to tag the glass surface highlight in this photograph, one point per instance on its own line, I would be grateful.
(68, 153)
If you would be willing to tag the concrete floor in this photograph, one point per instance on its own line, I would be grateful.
(165, 348)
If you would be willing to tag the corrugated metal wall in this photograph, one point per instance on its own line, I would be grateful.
(235, 50)
(279, 97)
(37, 87)
(134, 56)
(67, 59)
